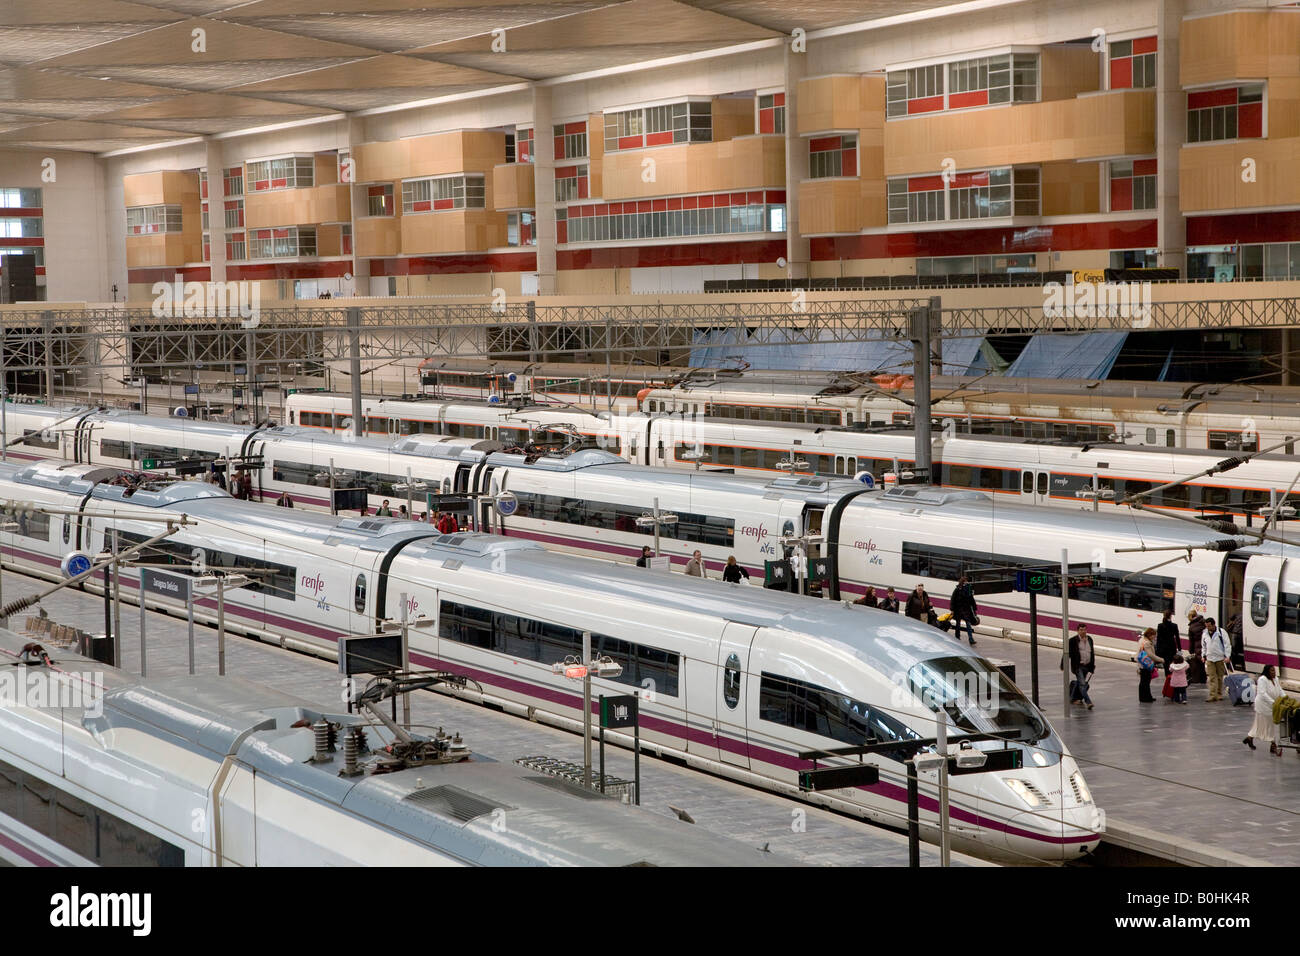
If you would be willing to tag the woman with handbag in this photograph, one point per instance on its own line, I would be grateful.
(1146, 661)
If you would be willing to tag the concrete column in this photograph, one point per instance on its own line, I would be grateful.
(796, 166)
(544, 187)
(352, 135)
(216, 209)
(1171, 132)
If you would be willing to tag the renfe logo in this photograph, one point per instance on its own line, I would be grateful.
(750, 531)
(314, 585)
(411, 605)
(74, 909)
(867, 545)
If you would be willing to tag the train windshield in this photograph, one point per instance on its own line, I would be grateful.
(977, 697)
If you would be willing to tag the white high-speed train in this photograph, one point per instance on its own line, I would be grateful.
(734, 679)
(1078, 476)
(1210, 416)
(107, 769)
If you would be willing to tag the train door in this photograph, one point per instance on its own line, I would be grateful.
(394, 427)
(1034, 487)
(1258, 593)
(462, 480)
(846, 465)
(701, 707)
(733, 686)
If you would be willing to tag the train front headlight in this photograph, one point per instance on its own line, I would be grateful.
(1026, 792)
(1081, 790)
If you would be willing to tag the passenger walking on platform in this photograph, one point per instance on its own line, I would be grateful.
(733, 572)
(1267, 691)
(1216, 648)
(1083, 661)
(1178, 679)
(401, 511)
(447, 523)
(695, 566)
(964, 610)
(889, 602)
(1147, 661)
(384, 510)
(644, 560)
(869, 599)
(918, 604)
(1167, 641)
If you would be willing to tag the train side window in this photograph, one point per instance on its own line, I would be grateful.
(1169, 438)
(731, 682)
(359, 594)
(1027, 483)
(1290, 448)
(1151, 436)
(1042, 482)
(67, 528)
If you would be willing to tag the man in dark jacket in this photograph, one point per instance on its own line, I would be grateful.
(644, 560)
(889, 602)
(918, 604)
(1167, 640)
(1083, 661)
(963, 608)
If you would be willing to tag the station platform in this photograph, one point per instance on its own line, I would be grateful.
(796, 831)
(1175, 779)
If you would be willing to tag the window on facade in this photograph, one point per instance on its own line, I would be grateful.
(771, 113)
(290, 172)
(13, 198)
(145, 220)
(35, 252)
(234, 213)
(1236, 112)
(985, 194)
(523, 145)
(1133, 64)
(723, 214)
(571, 183)
(203, 184)
(236, 250)
(1132, 185)
(203, 217)
(282, 242)
(983, 81)
(521, 229)
(832, 156)
(379, 200)
(443, 192)
(690, 122)
(233, 181)
(570, 140)
(18, 228)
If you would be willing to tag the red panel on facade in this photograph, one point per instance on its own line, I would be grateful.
(1144, 45)
(690, 202)
(966, 180)
(561, 232)
(737, 199)
(28, 212)
(1204, 98)
(1144, 167)
(659, 205)
(643, 206)
(1121, 195)
(467, 262)
(566, 172)
(370, 191)
(675, 203)
(754, 198)
(289, 270)
(924, 184)
(1121, 73)
(167, 274)
(439, 204)
(280, 233)
(823, 144)
(1122, 234)
(558, 146)
(203, 189)
(1244, 227)
(675, 254)
(630, 142)
(23, 241)
(1250, 120)
(766, 121)
(422, 206)
(573, 129)
(279, 183)
(659, 139)
(849, 163)
(776, 195)
(583, 189)
(926, 104)
(957, 101)
(779, 100)
(615, 208)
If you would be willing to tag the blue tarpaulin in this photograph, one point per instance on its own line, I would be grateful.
(772, 349)
(1069, 355)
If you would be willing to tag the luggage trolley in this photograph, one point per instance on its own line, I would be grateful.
(1288, 733)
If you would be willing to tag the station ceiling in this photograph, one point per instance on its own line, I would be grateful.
(103, 75)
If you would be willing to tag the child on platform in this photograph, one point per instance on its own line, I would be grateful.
(1178, 679)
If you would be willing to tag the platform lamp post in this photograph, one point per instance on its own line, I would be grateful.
(655, 519)
(802, 544)
(583, 669)
(793, 463)
(221, 583)
(403, 625)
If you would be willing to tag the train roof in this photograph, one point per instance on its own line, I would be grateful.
(451, 807)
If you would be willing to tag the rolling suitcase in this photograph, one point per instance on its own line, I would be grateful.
(1239, 687)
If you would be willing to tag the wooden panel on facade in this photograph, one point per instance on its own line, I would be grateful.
(830, 206)
(732, 116)
(297, 207)
(461, 230)
(1070, 189)
(377, 236)
(513, 186)
(1119, 123)
(1239, 45)
(1210, 175)
(830, 102)
(1068, 71)
(163, 187)
(750, 162)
